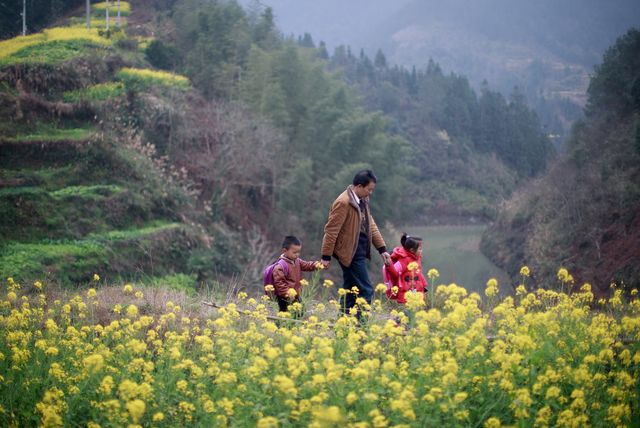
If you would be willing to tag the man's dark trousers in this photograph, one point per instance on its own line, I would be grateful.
(357, 275)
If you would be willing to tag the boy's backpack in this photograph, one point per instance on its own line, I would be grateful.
(267, 274)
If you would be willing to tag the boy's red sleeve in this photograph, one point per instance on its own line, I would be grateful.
(279, 281)
(307, 266)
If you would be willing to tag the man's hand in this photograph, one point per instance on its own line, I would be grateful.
(325, 263)
(386, 258)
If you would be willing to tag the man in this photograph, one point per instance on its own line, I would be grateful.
(348, 235)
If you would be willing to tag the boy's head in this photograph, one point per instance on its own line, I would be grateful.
(291, 247)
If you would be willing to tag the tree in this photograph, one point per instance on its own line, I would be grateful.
(380, 60)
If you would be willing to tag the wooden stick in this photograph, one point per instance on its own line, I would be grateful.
(269, 317)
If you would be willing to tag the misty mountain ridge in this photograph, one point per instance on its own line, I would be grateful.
(547, 49)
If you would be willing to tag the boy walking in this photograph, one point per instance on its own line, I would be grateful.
(286, 277)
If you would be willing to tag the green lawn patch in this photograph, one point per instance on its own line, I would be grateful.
(49, 133)
(50, 52)
(143, 78)
(135, 233)
(99, 92)
(48, 178)
(454, 251)
(119, 251)
(93, 192)
(178, 281)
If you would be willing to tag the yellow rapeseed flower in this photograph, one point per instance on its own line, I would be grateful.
(492, 422)
(136, 409)
(267, 422)
(433, 273)
(524, 271)
(132, 311)
(96, 277)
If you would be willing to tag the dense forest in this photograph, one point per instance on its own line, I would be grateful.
(417, 128)
(585, 212)
(269, 131)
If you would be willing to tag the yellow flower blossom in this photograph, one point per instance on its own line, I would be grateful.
(433, 274)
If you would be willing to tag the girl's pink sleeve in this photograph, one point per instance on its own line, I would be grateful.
(394, 270)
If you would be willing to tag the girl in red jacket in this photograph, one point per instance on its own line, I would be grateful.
(404, 273)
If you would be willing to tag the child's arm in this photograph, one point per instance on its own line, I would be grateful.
(394, 270)
(279, 281)
(308, 266)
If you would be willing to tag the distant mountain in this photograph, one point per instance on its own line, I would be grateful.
(584, 214)
(502, 41)
(546, 48)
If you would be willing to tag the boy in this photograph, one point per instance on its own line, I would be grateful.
(286, 280)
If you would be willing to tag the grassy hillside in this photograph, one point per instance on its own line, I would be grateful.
(79, 196)
(584, 214)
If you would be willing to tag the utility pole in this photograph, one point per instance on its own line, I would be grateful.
(24, 17)
(88, 14)
(107, 13)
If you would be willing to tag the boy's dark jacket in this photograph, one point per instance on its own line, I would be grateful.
(282, 283)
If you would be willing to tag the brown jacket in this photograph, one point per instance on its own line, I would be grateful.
(282, 283)
(343, 228)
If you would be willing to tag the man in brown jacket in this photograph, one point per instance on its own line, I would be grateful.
(348, 235)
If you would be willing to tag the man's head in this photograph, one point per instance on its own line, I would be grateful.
(364, 182)
(291, 247)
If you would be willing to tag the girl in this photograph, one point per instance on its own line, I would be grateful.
(405, 270)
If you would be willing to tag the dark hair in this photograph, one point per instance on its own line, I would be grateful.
(289, 241)
(410, 243)
(364, 177)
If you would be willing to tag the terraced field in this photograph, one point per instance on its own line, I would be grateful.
(74, 199)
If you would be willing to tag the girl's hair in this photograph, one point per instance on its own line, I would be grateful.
(410, 243)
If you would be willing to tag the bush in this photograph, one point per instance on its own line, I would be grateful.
(161, 55)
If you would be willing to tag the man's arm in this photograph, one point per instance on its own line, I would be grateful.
(337, 217)
(378, 241)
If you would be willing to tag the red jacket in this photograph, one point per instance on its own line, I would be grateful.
(282, 283)
(401, 276)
